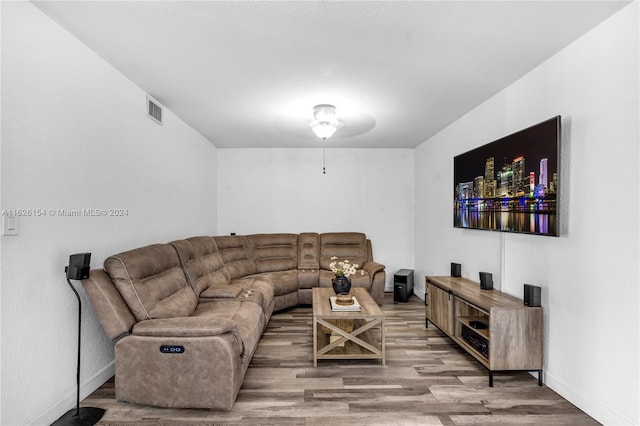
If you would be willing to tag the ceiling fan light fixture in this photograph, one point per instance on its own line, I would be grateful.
(325, 123)
(323, 130)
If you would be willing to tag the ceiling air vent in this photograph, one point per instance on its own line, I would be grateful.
(154, 110)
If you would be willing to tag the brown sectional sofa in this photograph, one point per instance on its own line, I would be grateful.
(189, 314)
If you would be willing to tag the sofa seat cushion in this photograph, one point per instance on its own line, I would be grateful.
(308, 278)
(257, 289)
(253, 289)
(151, 282)
(248, 317)
(361, 279)
(284, 282)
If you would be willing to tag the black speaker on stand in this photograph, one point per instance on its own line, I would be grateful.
(78, 269)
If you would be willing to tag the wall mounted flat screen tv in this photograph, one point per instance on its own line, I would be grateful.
(510, 184)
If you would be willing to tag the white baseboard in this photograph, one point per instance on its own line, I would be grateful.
(593, 408)
(69, 401)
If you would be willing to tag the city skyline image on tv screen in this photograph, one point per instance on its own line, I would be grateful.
(510, 184)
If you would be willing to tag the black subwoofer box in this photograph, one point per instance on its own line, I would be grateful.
(402, 285)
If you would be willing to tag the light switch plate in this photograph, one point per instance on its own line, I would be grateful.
(10, 225)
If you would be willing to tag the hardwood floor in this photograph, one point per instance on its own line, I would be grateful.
(427, 380)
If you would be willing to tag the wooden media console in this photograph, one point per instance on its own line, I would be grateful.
(495, 328)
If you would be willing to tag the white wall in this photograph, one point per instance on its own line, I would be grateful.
(75, 135)
(284, 190)
(589, 274)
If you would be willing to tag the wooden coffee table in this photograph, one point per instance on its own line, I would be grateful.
(356, 334)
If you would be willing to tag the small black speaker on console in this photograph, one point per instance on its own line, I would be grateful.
(532, 295)
(486, 281)
(456, 269)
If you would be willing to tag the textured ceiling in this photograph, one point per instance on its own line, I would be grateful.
(247, 74)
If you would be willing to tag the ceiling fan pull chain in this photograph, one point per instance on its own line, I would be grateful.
(323, 159)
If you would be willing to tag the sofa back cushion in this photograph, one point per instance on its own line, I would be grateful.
(343, 245)
(202, 263)
(308, 251)
(152, 282)
(274, 252)
(236, 255)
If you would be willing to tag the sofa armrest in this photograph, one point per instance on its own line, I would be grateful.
(185, 327)
(372, 267)
(378, 278)
(113, 312)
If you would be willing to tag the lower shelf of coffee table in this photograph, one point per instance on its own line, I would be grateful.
(349, 349)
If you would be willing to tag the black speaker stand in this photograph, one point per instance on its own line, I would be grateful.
(82, 416)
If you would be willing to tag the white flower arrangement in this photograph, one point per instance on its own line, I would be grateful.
(343, 267)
